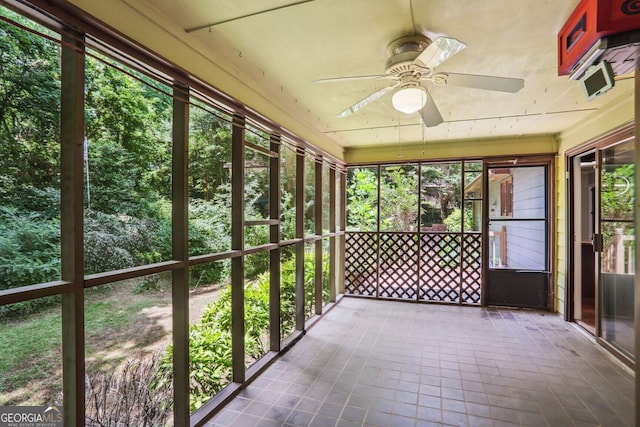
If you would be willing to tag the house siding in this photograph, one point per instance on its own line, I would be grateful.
(526, 246)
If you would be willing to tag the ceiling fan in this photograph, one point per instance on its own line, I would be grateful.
(412, 61)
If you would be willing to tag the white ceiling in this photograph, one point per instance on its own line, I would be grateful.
(283, 50)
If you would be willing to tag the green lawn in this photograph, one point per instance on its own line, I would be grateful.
(30, 347)
(30, 361)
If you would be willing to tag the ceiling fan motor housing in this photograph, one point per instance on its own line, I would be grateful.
(403, 52)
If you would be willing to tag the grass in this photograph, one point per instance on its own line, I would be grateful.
(33, 366)
(115, 328)
(120, 322)
(117, 323)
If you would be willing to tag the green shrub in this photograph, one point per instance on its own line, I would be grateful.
(256, 318)
(113, 242)
(210, 351)
(210, 362)
(209, 225)
(29, 254)
(309, 282)
(210, 273)
(362, 199)
(256, 264)
(209, 232)
(287, 297)
(46, 201)
(453, 222)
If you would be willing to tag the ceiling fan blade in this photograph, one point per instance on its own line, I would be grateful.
(430, 114)
(439, 51)
(501, 84)
(351, 78)
(369, 99)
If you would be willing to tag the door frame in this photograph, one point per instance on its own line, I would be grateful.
(574, 270)
(606, 140)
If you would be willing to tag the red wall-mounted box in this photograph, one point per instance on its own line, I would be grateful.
(590, 21)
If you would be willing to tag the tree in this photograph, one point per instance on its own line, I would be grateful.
(618, 198)
(128, 128)
(29, 112)
(399, 198)
(362, 199)
(618, 192)
(441, 191)
(29, 160)
(209, 153)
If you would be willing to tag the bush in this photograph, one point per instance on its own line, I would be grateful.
(209, 225)
(29, 248)
(139, 394)
(310, 284)
(209, 232)
(453, 222)
(210, 362)
(114, 242)
(256, 315)
(287, 297)
(28, 307)
(29, 254)
(210, 273)
(210, 354)
(46, 202)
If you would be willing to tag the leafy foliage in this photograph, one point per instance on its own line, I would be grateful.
(453, 222)
(209, 152)
(618, 192)
(210, 362)
(441, 191)
(399, 198)
(29, 111)
(29, 253)
(287, 296)
(29, 160)
(439, 197)
(287, 216)
(129, 133)
(128, 161)
(362, 199)
(28, 248)
(114, 242)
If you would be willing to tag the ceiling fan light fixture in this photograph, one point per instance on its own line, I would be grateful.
(408, 100)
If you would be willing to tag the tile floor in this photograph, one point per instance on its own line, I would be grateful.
(383, 363)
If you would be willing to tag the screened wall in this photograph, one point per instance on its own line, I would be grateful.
(414, 232)
(159, 244)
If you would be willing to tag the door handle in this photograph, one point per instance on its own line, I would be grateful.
(598, 242)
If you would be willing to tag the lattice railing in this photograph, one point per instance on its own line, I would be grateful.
(440, 267)
(398, 276)
(434, 267)
(361, 268)
(471, 268)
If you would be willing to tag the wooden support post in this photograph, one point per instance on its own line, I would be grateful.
(71, 228)
(180, 252)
